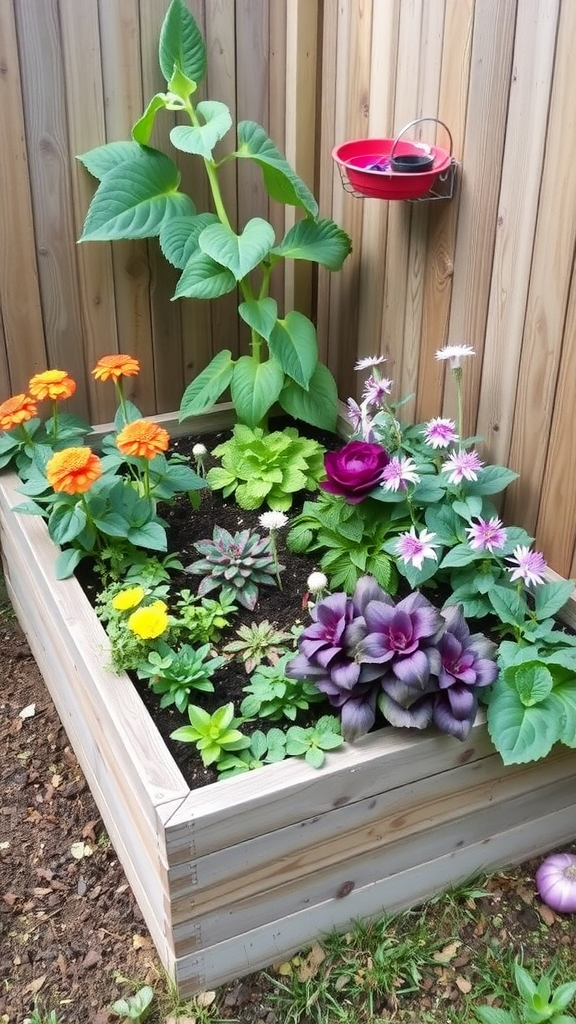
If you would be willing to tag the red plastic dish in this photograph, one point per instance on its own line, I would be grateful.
(366, 164)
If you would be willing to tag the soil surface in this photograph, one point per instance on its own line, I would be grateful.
(72, 937)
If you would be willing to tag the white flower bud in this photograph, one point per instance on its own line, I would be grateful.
(198, 451)
(317, 582)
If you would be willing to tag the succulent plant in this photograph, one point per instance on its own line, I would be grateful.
(258, 642)
(173, 674)
(236, 565)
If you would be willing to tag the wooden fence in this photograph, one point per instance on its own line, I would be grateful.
(493, 267)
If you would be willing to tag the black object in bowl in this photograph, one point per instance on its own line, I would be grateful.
(412, 163)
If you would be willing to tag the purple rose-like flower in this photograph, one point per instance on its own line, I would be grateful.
(355, 470)
(467, 663)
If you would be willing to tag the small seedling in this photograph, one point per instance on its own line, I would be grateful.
(135, 1007)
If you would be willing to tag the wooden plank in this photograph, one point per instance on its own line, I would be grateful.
(282, 938)
(551, 272)
(443, 216)
(383, 58)
(230, 811)
(252, 33)
(241, 912)
(85, 111)
(321, 841)
(48, 149)
(19, 286)
(328, 177)
(533, 63)
(489, 85)
(123, 105)
(278, 90)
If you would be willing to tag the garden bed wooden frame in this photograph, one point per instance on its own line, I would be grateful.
(245, 872)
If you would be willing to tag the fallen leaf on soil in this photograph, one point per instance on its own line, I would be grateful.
(140, 942)
(444, 956)
(204, 999)
(463, 984)
(35, 985)
(309, 968)
(80, 850)
(55, 781)
(92, 958)
(28, 712)
(547, 915)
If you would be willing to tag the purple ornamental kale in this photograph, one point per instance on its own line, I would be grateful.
(467, 663)
(402, 639)
(327, 656)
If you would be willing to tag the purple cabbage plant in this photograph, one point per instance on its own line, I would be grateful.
(417, 664)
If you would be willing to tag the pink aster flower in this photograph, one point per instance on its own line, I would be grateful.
(462, 465)
(376, 390)
(399, 472)
(440, 432)
(454, 353)
(527, 565)
(415, 549)
(486, 534)
(368, 362)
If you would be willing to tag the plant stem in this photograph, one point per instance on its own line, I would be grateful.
(457, 374)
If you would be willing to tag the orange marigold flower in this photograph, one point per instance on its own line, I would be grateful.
(115, 367)
(73, 470)
(143, 438)
(53, 384)
(16, 410)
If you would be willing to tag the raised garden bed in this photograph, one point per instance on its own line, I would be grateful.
(244, 872)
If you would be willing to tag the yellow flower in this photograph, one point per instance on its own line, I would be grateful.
(150, 621)
(53, 384)
(127, 599)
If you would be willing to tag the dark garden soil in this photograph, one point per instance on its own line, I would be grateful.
(70, 930)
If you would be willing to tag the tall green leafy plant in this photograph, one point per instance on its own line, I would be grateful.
(139, 197)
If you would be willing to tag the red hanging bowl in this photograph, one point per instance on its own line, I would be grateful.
(367, 165)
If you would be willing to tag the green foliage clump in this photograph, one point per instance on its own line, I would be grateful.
(258, 642)
(270, 694)
(213, 735)
(172, 674)
(257, 467)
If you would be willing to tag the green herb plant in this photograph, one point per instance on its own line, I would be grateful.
(350, 539)
(173, 674)
(258, 467)
(139, 196)
(235, 565)
(213, 735)
(201, 620)
(261, 641)
(270, 694)
(313, 742)
(538, 1002)
(136, 1007)
(265, 748)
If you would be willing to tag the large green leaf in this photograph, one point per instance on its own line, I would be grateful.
(142, 130)
(179, 237)
(551, 597)
(520, 733)
(565, 694)
(318, 405)
(134, 198)
(207, 387)
(491, 480)
(201, 139)
(105, 158)
(255, 387)
(203, 278)
(320, 241)
(508, 604)
(239, 253)
(293, 343)
(260, 315)
(282, 183)
(181, 44)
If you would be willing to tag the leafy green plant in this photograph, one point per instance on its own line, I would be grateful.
(213, 735)
(236, 565)
(351, 539)
(313, 742)
(202, 620)
(539, 1003)
(134, 1007)
(270, 694)
(258, 467)
(139, 197)
(265, 748)
(258, 642)
(173, 674)
(532, 704)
